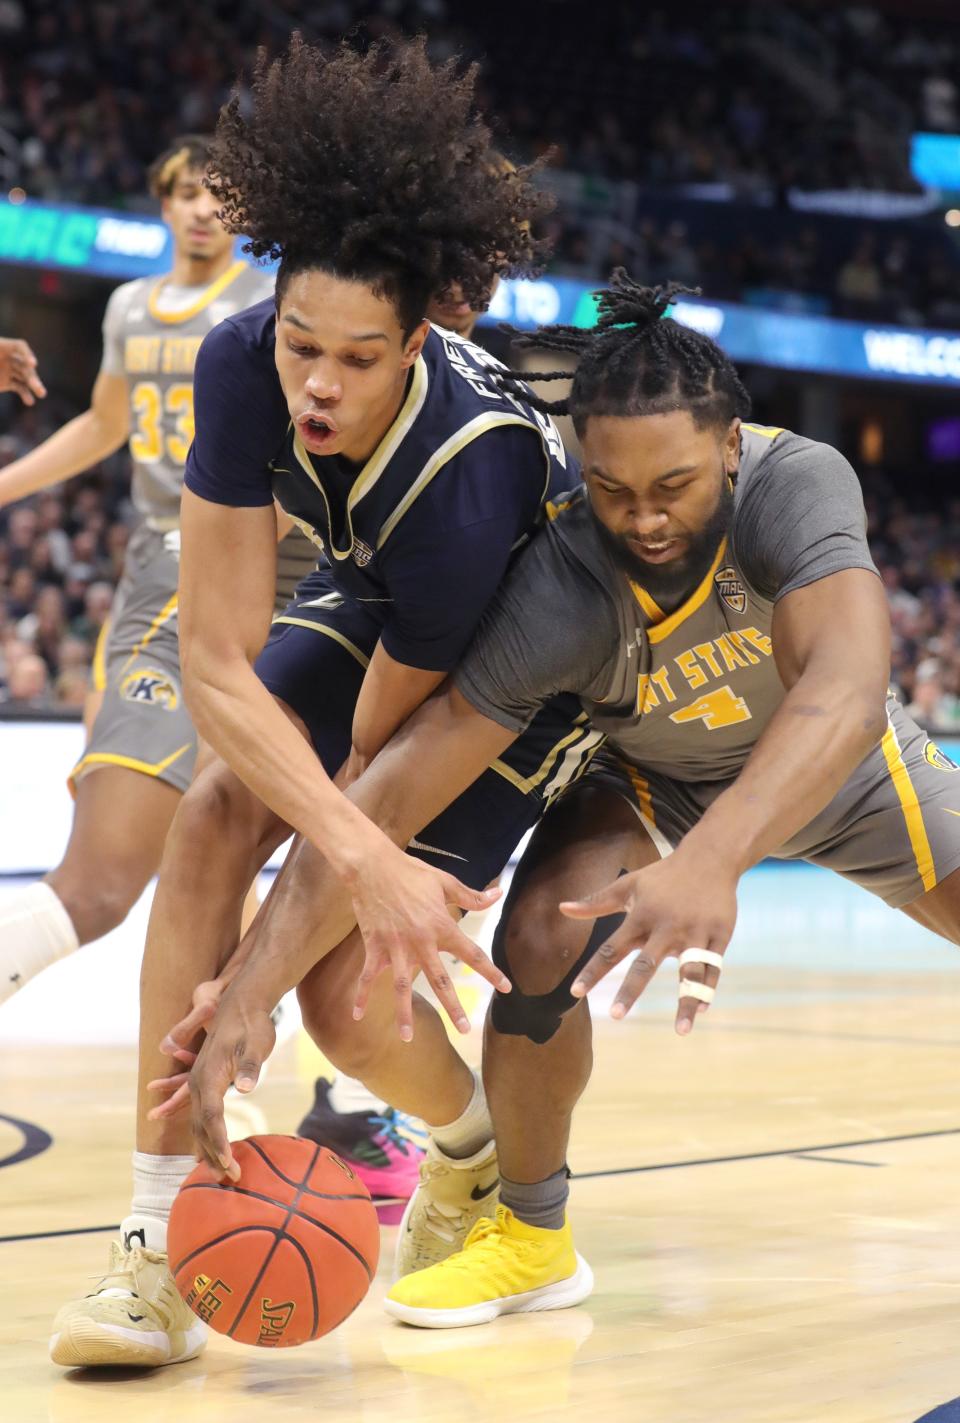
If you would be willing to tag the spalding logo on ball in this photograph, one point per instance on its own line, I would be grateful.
(281, 1256)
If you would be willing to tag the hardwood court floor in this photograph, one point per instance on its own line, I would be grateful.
(771, 1209)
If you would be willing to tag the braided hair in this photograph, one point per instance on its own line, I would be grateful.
(636, 361)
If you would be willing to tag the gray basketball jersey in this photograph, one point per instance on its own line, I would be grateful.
(151, 335)
(688, 692)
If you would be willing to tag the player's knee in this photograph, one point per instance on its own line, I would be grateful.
(535, 945)
(540, 953)
(216, 809)
(99, 901)
(351, 1047)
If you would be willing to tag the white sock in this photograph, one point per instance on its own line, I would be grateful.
(35, 931)
(471, 1131)
(156, 1181)
(349, 1095)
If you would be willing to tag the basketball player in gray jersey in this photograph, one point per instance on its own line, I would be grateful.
(712, 600)
(141, 746)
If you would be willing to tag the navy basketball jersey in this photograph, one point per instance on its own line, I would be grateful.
(356, 518)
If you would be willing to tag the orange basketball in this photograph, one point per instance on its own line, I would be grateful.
(282, 1256)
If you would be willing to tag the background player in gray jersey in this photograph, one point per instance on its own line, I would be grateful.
(141, 745)
(716, 608)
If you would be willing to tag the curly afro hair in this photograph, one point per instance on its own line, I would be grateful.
(374, 167)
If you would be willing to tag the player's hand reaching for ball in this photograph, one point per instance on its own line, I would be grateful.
(682, 907)
(403, 910)
(178, 1045)
(239, 1040)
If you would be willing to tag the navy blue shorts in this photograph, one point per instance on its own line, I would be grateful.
(315, 660)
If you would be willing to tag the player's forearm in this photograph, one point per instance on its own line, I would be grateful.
(426, 766)
(74, 448)
(821, 732)
(233, 710)
(317, 902)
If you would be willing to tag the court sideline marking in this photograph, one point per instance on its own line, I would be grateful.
(799, 1151)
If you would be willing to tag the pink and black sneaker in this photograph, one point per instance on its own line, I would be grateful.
(379, 1148)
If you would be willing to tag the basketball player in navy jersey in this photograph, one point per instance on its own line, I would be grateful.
(421, 478)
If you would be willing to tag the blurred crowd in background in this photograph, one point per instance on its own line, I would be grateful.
(61, 554)
(745, 163)
(757, 103)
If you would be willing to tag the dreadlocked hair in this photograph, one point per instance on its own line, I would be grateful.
(636, 361)
(374, 167)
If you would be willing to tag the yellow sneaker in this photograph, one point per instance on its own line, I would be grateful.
(505, 1267)
(134, 1316)
(451, 1197)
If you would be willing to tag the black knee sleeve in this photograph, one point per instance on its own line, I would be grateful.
(538, 1016)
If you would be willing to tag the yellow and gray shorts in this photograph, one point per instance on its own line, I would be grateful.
(893, 828)
(143, 723)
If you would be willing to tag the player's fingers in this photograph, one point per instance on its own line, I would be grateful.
(642, 968)
(168, 1084)
(373, 966)
(612, 899)
(456, 942)
(403, 978)
(21, 388)
(619, 944)
(178, 1102)
(210, 1133)
(181, 1034)
(455, 892)
(700, 980)
(248, 1073)
(36, 385)
(442, 985)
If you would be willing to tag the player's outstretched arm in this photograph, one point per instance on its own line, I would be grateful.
(227, 580)
(431, 760)
(18, 370)
(75, 446)
(831, 642)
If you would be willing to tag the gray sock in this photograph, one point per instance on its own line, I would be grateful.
(539, 1203)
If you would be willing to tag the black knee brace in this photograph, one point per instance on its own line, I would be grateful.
(538, 1016)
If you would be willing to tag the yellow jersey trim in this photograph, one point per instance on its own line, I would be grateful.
(554, 509)
(910, 806)
(695, 601)
(209, 294)
(653, 610)
(769, 432)
(328, 632)
(451, 447)
(165, 614)
(128, 763)
(377, 462)
(98, 672)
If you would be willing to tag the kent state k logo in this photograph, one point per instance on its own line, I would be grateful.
(150, 686)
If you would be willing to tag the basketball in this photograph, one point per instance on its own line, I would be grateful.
(282, 1256)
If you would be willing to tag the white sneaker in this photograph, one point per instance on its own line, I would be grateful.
(135, 1316)
(451, 1197)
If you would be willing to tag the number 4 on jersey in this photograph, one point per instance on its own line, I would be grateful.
(720, 708)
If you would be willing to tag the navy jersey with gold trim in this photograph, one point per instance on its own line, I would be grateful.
(424, 531)
(442, 433)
